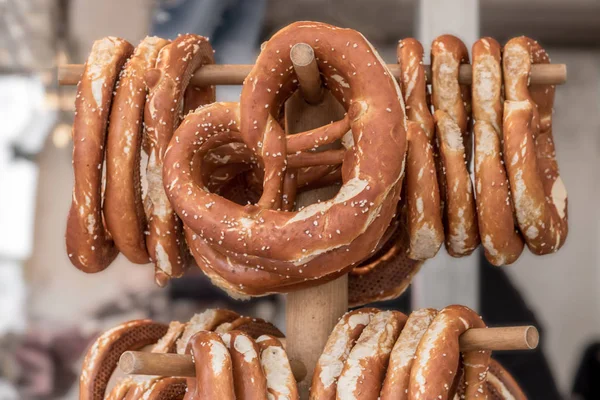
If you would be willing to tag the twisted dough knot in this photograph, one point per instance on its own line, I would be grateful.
(258, 249)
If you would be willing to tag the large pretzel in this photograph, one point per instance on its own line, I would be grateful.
(501, 241)
(425, 227)
(256, 249)
(539, 195)
(89, 245)
(452, 102)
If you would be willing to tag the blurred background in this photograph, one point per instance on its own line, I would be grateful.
(49, 311)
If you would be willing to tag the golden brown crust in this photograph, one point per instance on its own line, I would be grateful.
(501, 385)
(89, 245)
(501, 241)
(425, 227)
(396, 383)
(166, 388)
(339, 344)
(364, 370)
(281, 384)
(167, 84)
(207, 320)
(123, 207)
(249, 378)
(539, 195)
(438, 356)
(102, 358)
(214, 376)
(366, 199)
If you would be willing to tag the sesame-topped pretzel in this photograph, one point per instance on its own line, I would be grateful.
(539, 195)
(257, 249)
(426, 230)
(438, 357)
(123, 207)
(89, 245)
(167, 83)
(501, 240)
(452, 102)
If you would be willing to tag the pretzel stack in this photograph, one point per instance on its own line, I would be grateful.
(240, 356)
(222, 180)
(374, 354)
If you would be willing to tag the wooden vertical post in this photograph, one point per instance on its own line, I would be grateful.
(445, 280)
(311, 313)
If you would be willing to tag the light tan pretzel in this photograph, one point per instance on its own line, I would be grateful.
(167, 84)
(337, 349)
(89, 245)
(438, 356)
(539, 195)
(259, 262)
(425, 227)
(396, 383)
(102, 358)
(365, 367)
(123, 207)
(214, 377)
(249, 378)
(281, 384)
(453, 107)
(501, 241)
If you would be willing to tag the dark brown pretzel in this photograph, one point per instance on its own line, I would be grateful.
(539, 195)
(259, 262)
(89, 245)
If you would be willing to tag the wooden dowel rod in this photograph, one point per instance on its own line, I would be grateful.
(307, 71)
(508, 338)
(234, 74)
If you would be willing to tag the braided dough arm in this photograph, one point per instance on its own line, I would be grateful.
(249, 378)
(462, 236)
(396, 383)
(166, 388)
(365, 367)
(501, 241)
(539, 195)
(214, 376)
(438, 356)
(281, 384)
(89, 245)
(102, 358)
(207, 320)
(254, 327)
(167, 83)
(331, 362)
(123, 206)
(501, 385)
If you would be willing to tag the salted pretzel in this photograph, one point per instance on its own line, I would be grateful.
(123, 207)
(281, 384)
(167, 83)
(89, 245)
(501, 240)
(501, 385)
(260, 263)
(365, 367)
(539, 195)
(425, 227)
(438, 356)
(249, 379)
(397, 378)
(452, 102)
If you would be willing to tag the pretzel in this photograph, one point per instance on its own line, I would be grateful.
(371, 181)
(89, 245)
(166, 85)
(501, 385)
(102, 358)
(501, 241)
(254, 327)
(208, 320)
(365, 367)
(396, 383)
(339, 344)
(214, 378)
(166, 388)
(281, 384)
(248, 377)
(425, 227)
(437, 357)
(123, 207)
(539, 195)
(452, 104)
